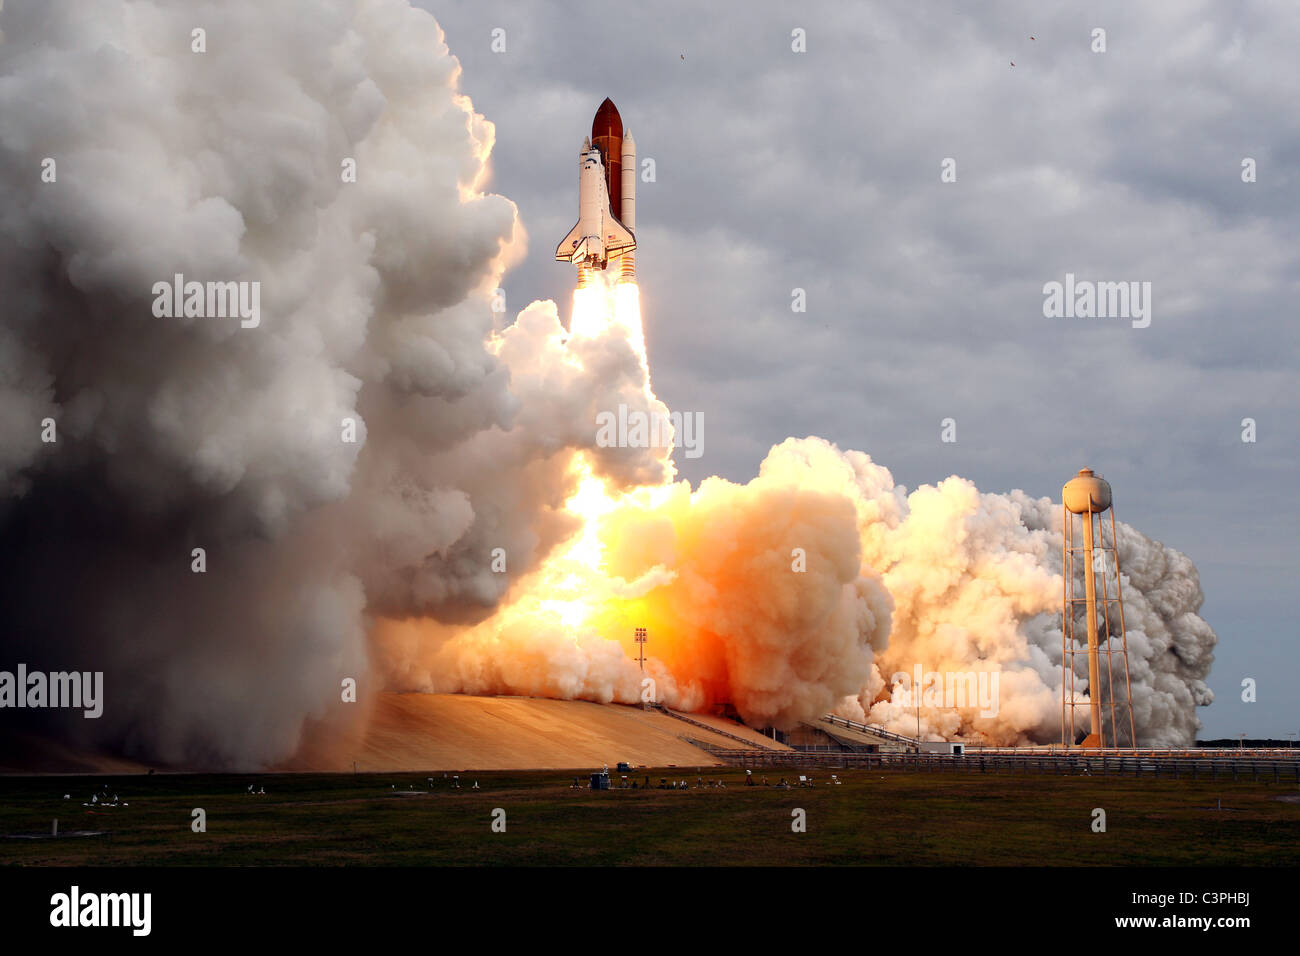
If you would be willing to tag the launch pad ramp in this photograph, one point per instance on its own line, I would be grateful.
(871, 730)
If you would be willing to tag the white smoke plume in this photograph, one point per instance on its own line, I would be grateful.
(373, 559)
(175, 434)
(976, 585)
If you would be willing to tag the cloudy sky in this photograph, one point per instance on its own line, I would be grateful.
(820, 170)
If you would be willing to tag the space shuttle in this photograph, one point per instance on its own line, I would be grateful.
(606, 200)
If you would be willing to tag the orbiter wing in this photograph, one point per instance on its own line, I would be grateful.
(618, 238)
(568, 246)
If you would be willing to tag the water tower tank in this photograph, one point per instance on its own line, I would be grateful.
(1086, 492)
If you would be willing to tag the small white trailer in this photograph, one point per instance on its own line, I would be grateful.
(943, 747)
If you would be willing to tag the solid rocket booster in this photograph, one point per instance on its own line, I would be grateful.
(627, 206)
(606, 199)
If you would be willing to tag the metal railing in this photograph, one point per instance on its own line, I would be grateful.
(837, 720)
(1191, 753)
(749, 744)
(1106, 764)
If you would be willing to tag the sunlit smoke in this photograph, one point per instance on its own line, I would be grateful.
(808, 589)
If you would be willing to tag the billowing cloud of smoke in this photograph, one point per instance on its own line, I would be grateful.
(182, 433)
(799, 592)
(812, 587)
(976, 585)
(752, 594)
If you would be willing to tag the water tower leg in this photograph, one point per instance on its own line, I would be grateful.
(1094, 739)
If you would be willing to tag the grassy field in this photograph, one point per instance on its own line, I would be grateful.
(873, 818)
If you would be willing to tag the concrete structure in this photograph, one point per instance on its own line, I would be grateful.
(409, 732)
(836, 734)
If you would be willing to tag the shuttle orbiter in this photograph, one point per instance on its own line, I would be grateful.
(606, 199)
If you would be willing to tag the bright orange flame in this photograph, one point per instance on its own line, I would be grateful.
(576, 580)
(570, 578)
(574, 585)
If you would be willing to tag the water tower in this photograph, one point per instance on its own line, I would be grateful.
(1086, 499)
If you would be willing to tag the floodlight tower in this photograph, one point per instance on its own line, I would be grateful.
(641, 639)
(1087, 495)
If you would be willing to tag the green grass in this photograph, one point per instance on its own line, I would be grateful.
(875, 818)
